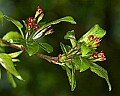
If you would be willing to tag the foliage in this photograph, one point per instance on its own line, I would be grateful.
(81, 55)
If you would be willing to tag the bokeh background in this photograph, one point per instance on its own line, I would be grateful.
(46, 79)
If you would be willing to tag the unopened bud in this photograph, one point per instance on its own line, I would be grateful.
(38, 11)
(49, 32)
(40, 18)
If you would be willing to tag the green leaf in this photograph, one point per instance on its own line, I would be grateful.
(46, 47)
(85, 64)
(77, 62)
(15, 54)
(71, 35)
(85, 49)
(15, 60)
(96, 31)
(100, 72)
(66, 19)
(32, 47)
(12, 36)
(1, 18)
(11, 79)
(7, 63)
(63, 48)
(73, 80)
(69, 74)
(17, 23)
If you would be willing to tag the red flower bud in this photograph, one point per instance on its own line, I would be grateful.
(29, 24)
(91, 37)
(97, 40)
(36, 27)
(31, 19)
(95, 55)
(39, 9)
(50, 31)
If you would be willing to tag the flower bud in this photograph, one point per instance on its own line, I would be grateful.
(91, 37)
(38, 11)
(97, 40)
(40, 18)
(31, 19)
(95, 55)
(49, 32)
(36, 27)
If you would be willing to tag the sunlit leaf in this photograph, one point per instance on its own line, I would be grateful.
(12, 36)
(15, 60)
(46, 47)
(1, 18)
(15, 54)
(17, 23)
(100, 72)
(11, 79)
(85, 64)
(85, 49)
(7, 63)
(96, 31)
(66, 19)
(71, 35)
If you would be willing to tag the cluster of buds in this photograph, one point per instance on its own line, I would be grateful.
(94, 42)
(32, 24)
(99, 56)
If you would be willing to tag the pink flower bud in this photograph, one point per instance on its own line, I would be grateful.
(31, 19)
(91, 37)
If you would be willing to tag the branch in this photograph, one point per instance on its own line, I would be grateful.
(54, 60)
(21, 47)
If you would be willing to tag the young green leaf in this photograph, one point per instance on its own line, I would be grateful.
(7, 63)
(84, 49)
(69, 74)
(85, 64)
(32, 47)
(46, 47)
(1, 18)
(15, 60)
(63, 48)
(77, 62)
(17, 23)
(66, 19)
(73, 80)
(71, 35)
(11, 79)
(12, 36)
(15, 54)
(96, 31)
(100, 72)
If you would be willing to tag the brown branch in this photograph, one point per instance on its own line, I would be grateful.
(54, 60)
(21, 47)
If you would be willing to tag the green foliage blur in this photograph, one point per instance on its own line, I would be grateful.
(46, 79)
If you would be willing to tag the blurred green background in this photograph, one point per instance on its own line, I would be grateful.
(46, 79)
